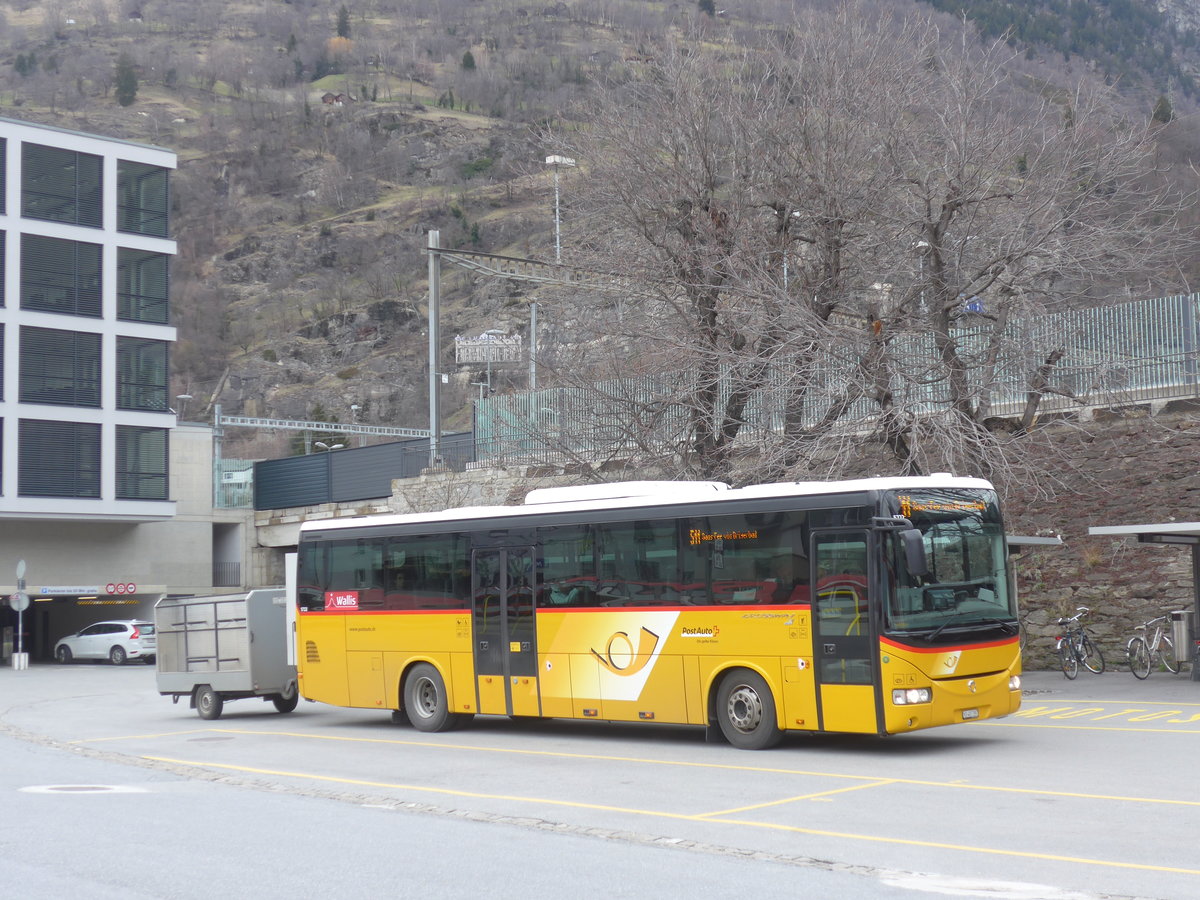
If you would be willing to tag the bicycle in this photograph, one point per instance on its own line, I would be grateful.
(1141, 650)
(1075, 646)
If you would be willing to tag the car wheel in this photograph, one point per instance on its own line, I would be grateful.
(117, 656)
(63, 654)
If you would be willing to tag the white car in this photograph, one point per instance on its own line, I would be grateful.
(115, 641)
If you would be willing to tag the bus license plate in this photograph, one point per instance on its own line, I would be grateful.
(970, 714)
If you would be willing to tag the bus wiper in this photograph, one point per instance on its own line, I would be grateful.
(932, 636)
(1009, 627)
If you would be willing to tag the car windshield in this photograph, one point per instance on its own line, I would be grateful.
(966, 589)
(145, 628)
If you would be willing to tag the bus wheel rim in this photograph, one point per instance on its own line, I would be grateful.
(426, 697)
(745, 708)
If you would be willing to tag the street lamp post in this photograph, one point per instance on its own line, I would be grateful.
(557, 162)
(491, 333)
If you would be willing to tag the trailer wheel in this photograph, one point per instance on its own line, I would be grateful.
(208, 702)
(287, 701)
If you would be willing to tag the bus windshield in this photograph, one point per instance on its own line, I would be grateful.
(966, 591)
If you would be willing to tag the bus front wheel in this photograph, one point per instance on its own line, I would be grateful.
(427, 703)
(746, 711)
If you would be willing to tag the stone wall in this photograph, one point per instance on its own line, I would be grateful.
(1119, 468)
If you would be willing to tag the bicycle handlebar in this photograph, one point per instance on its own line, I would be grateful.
(1081, 611)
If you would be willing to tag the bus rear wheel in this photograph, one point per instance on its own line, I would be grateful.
(746, 711)
(427, 703)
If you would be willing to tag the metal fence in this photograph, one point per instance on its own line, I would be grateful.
(348, 475)
(1128, 353)
(227, 574)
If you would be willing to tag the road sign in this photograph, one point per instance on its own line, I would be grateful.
(19, 601)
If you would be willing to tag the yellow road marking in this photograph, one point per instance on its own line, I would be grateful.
(659, 814)
(1032, 724)
(871, 780)
(786, 800)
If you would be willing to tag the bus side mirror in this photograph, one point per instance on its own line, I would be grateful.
(914, 552)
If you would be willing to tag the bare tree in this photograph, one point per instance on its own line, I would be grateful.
(853, 235)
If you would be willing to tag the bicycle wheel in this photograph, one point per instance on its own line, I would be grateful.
(1091, 656)
(1139, 658)
(1166, 653)
(1067, 658)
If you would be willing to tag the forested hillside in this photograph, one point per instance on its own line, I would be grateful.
(319, 141)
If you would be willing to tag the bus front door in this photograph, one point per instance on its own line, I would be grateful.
(505, 649)
(844, 647)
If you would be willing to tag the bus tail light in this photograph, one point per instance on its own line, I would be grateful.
(909, 696)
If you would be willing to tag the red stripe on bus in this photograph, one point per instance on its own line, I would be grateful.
(384, 612)
(946, 648)
(795, 607)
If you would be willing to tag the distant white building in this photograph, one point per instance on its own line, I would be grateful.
(88, 494)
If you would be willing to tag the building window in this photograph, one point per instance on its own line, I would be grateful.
(1, 360)
(142, 286)
(60, 276)
(58, 459)
(142, 198)
(3, 176)
(141, 463)
(141, 374)
(60, 367)
(61, 185)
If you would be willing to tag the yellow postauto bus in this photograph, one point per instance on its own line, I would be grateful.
(876, 606)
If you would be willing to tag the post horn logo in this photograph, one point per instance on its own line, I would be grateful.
(619, 656)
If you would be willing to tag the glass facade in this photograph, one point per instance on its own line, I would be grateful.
(142, 374)
(143, 198)
(60, 276)
(141, 463)
(87, 344)
(143, 286)
(59, 459)
(61, 185)
(61, 368)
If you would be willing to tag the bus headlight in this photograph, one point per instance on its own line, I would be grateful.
(909, 696)
(1014, 682)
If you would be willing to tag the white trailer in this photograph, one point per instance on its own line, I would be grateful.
(225, 647)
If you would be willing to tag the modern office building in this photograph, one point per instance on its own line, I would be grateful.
(86, 424)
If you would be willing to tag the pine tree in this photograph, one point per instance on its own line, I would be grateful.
(468, 62)
(343, 23)
(126, 80)
(1162, 110)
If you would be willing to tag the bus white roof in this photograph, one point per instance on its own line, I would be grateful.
(639, 494)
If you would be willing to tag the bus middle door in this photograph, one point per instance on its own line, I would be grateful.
(502, 582)
(845, 650)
